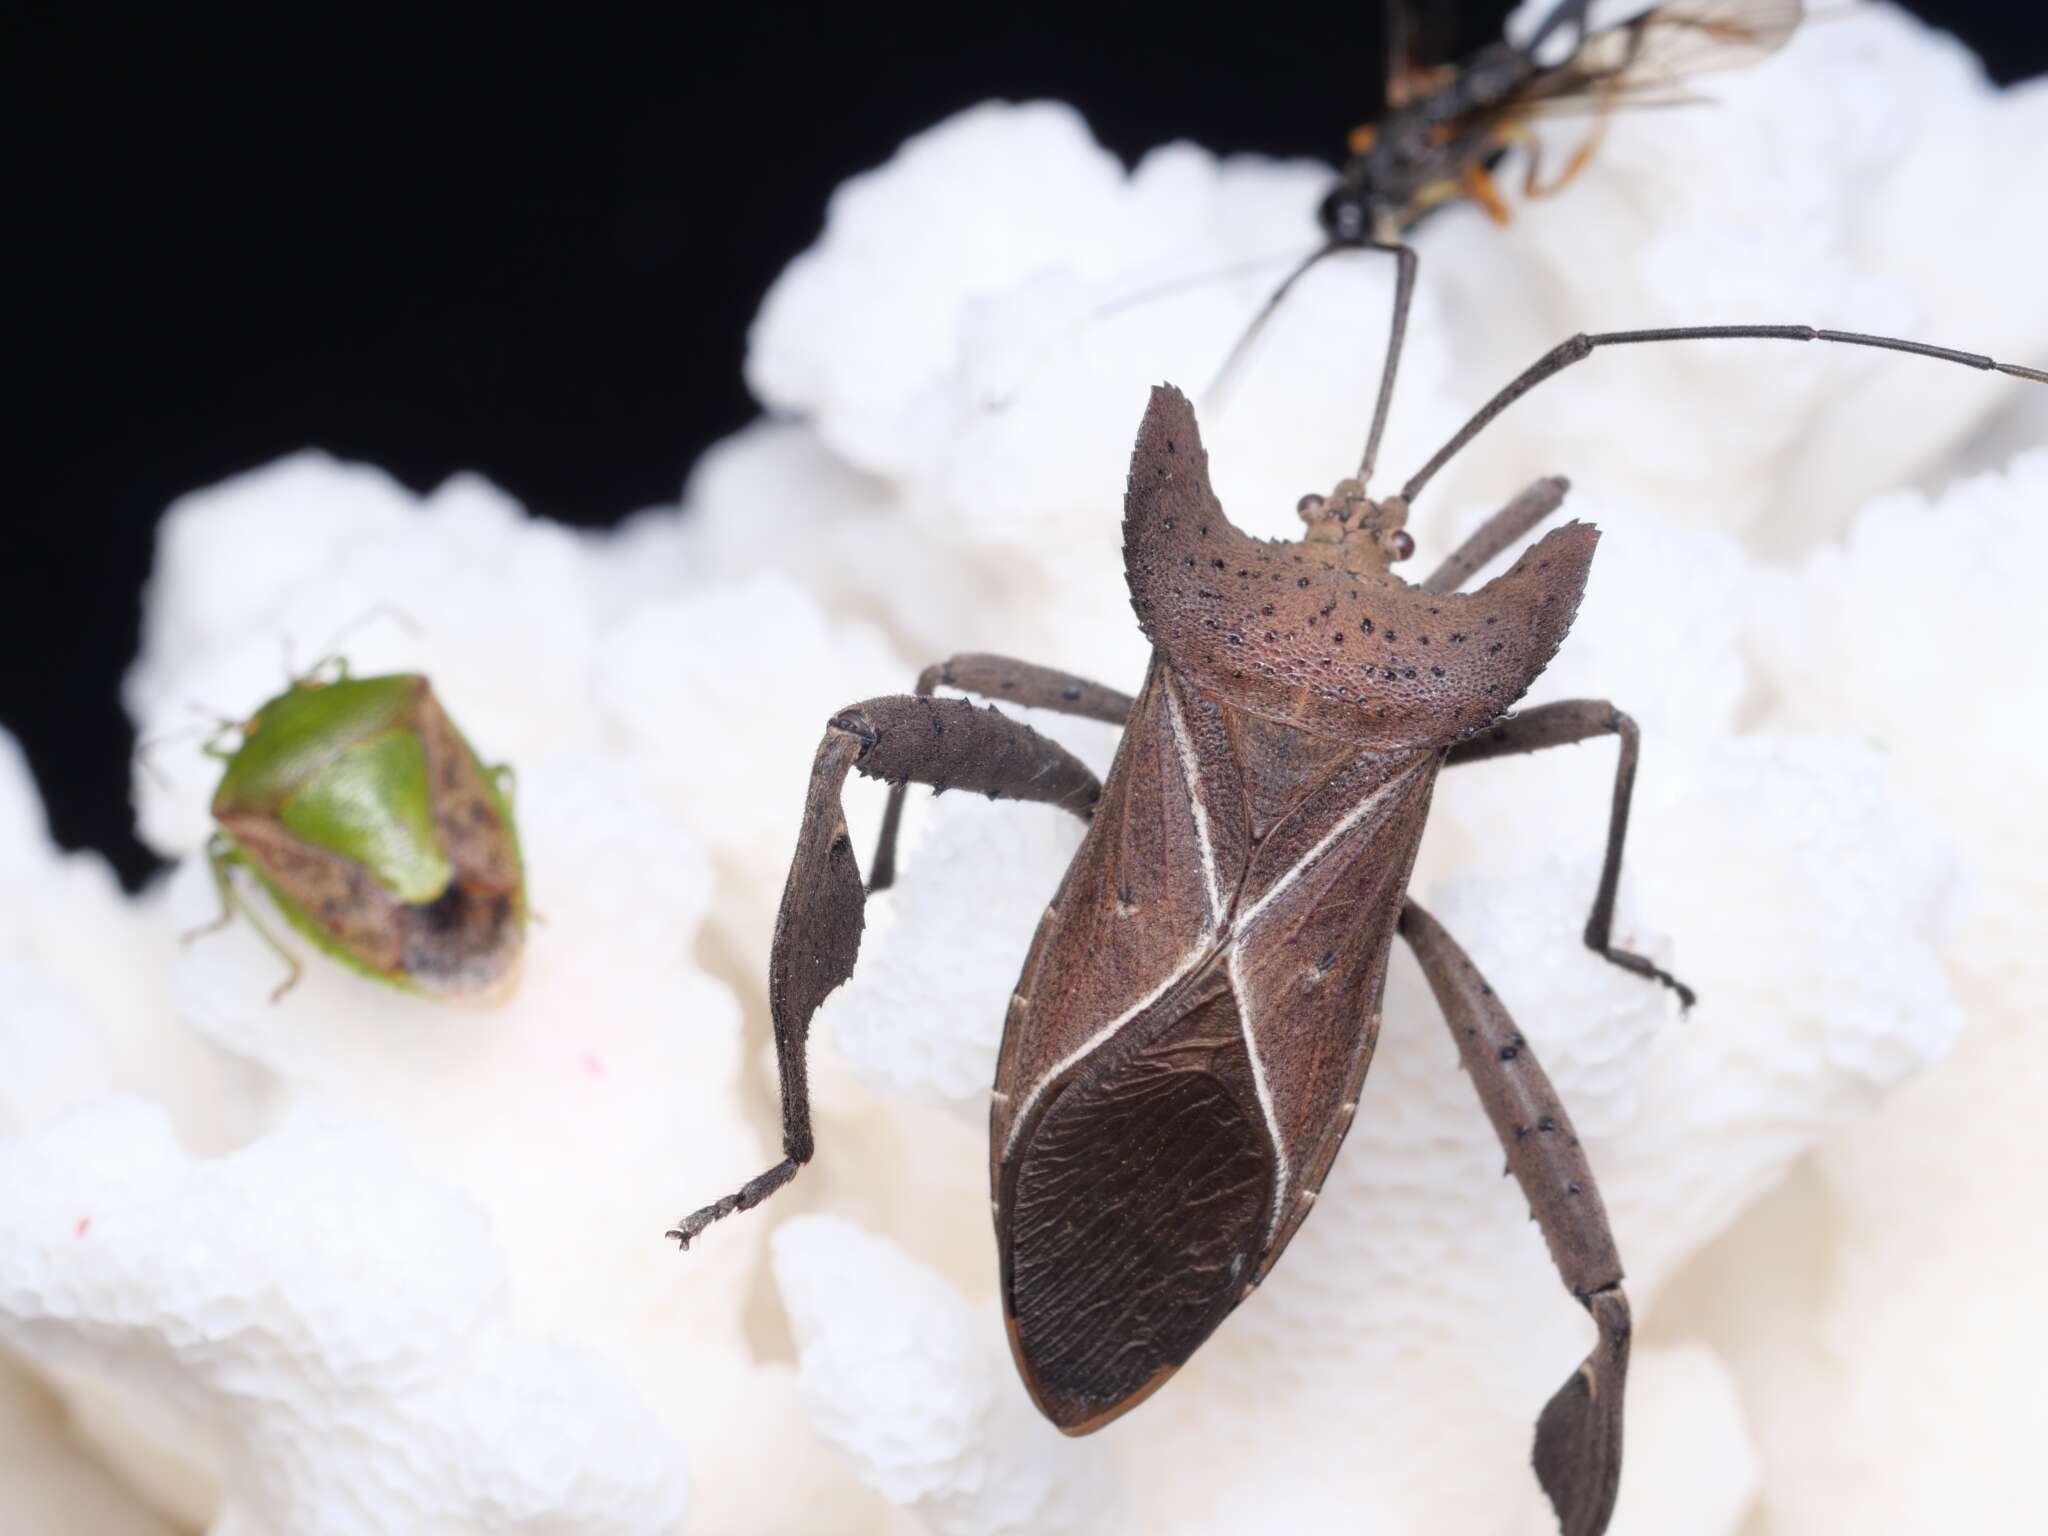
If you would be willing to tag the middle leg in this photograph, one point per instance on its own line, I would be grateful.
(1558, 725)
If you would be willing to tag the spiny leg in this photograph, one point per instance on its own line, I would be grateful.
(946, 743)
(1578, 1435)
(1015, 682)
(1497, 533)
(1559, 725)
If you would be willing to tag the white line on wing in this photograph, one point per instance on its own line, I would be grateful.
(1189, 774)
(1195, 957)
(1350, 819)
(1242, 994)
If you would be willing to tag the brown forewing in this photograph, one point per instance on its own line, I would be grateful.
(1133, 912)
(1174, 1073)
(472, 833)
(362, 915)
(466, 942)
(1308, 955)
(1136, 1207)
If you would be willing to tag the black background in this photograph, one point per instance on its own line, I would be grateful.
(520, 244)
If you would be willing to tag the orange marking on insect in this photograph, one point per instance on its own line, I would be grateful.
(1478, 185)
(1363, 138)
(1582, 154)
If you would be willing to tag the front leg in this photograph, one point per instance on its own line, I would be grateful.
(1015, 682)
(1559, 725)
(946, 743)
(1578, 1435)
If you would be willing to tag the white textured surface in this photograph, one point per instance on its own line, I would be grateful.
(1912, 1335)
(53, 1481)
(921, 1395)
(358, 1263)
(580, 1117)
(337, 1327)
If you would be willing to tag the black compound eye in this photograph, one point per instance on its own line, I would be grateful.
(1342, 215)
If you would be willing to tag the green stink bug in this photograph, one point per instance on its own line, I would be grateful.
(380, 836)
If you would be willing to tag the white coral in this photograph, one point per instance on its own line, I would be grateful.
(339, 1328)
(363, 1263)
(921, 1396)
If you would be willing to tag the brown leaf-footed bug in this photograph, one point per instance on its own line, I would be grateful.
(1185, 1047)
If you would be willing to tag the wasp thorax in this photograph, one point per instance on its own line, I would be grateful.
(1362, 525)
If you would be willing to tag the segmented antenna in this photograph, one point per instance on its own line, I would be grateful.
(1582, 346)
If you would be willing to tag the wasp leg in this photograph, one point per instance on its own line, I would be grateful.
(946, 743)
(1015, 682)
(1558, 725)
(1578, 1435)
(1533, 184)
(1478, 185)
(1493, 536)
(220, 856)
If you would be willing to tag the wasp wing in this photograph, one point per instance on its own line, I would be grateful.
(1647, 60)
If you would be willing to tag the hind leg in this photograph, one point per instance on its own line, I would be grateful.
(1014, 682)
(946, 743)
(1560, 725)
(1578, 1435)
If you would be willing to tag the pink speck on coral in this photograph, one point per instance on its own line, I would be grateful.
(84, 1226)
(592, 1063)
